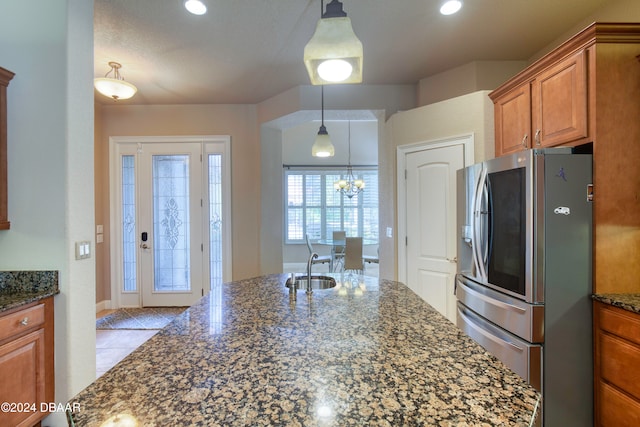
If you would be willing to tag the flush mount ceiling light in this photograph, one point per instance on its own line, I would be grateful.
(114, 87)
(196, 7)
(322, 147)
(449, 7)
(334, 53)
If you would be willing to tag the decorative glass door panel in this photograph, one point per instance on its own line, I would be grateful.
(171, 223)
(215, 218)
(170, 236)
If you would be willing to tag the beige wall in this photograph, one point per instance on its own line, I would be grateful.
(472, 113)
(468, 78)
(239, 121)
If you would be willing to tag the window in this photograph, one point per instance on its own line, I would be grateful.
(314, 207)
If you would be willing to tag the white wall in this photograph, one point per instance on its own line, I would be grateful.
(49, 45)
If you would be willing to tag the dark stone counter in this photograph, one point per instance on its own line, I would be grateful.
(629, 302)
(18, 288)
(368, 352)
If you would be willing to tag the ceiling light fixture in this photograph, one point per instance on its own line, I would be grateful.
(197, 7)
(449, 7)
(322, 147)
(334, 53)
(114, 87)
(349, 186)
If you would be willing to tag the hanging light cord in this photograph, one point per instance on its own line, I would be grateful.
(349, 136)
(322, 104)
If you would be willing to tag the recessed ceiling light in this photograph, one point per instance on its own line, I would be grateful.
(196, 7)
(449, 7)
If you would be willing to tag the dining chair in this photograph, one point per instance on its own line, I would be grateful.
(322, 259)
(337, 251)
(353, 254)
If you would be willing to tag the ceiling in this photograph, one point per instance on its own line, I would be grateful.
(246, 51)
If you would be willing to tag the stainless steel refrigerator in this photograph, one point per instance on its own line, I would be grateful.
(524, 277)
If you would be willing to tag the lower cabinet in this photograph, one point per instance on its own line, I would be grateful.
(26, 364)
(617, 366)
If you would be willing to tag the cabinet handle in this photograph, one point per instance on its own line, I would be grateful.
(25, 321)
(524, 140)
(537, 137)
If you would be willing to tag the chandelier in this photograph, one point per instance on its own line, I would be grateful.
(349, 186)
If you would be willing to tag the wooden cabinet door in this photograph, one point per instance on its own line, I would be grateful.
(559, 100)
(616, 361)
(513, 120)
(22, 366)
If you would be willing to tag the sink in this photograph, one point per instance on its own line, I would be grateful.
(317, 282)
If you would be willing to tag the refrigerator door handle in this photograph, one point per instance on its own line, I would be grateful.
(479, 245)
(492, 337)
(474, 291)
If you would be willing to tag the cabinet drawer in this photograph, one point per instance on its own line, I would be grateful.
(619, 364)
(19, 321)
(619, 322)
(616, 408)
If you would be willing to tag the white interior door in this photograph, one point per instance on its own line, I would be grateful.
(430, 224)
(172, 227)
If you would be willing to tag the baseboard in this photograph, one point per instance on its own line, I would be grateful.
(103, 305)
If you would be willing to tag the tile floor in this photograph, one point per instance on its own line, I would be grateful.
(114, 345)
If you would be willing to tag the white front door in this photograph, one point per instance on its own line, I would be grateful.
(170, 234)
(430, 224)
(170, 224)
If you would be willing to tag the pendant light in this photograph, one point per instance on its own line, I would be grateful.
(322, 147)
(114, 87)
(349, 186)
(334, 53)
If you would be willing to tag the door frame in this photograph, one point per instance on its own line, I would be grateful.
(402, 151)
(223, 142)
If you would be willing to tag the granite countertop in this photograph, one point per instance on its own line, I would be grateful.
(18, 288)
(369, 352)
(629, 302)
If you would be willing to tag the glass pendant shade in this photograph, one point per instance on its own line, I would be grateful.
(114, 87)
(334, 53)
(322, 147)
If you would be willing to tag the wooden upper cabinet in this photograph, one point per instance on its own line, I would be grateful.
(513, 120)
(545, 106)
(559, 103)
(5, 78)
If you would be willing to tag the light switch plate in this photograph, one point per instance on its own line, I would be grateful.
(83, 250)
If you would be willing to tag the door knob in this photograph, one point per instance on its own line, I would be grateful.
(145, 246)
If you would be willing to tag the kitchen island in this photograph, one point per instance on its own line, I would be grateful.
(367, 352)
